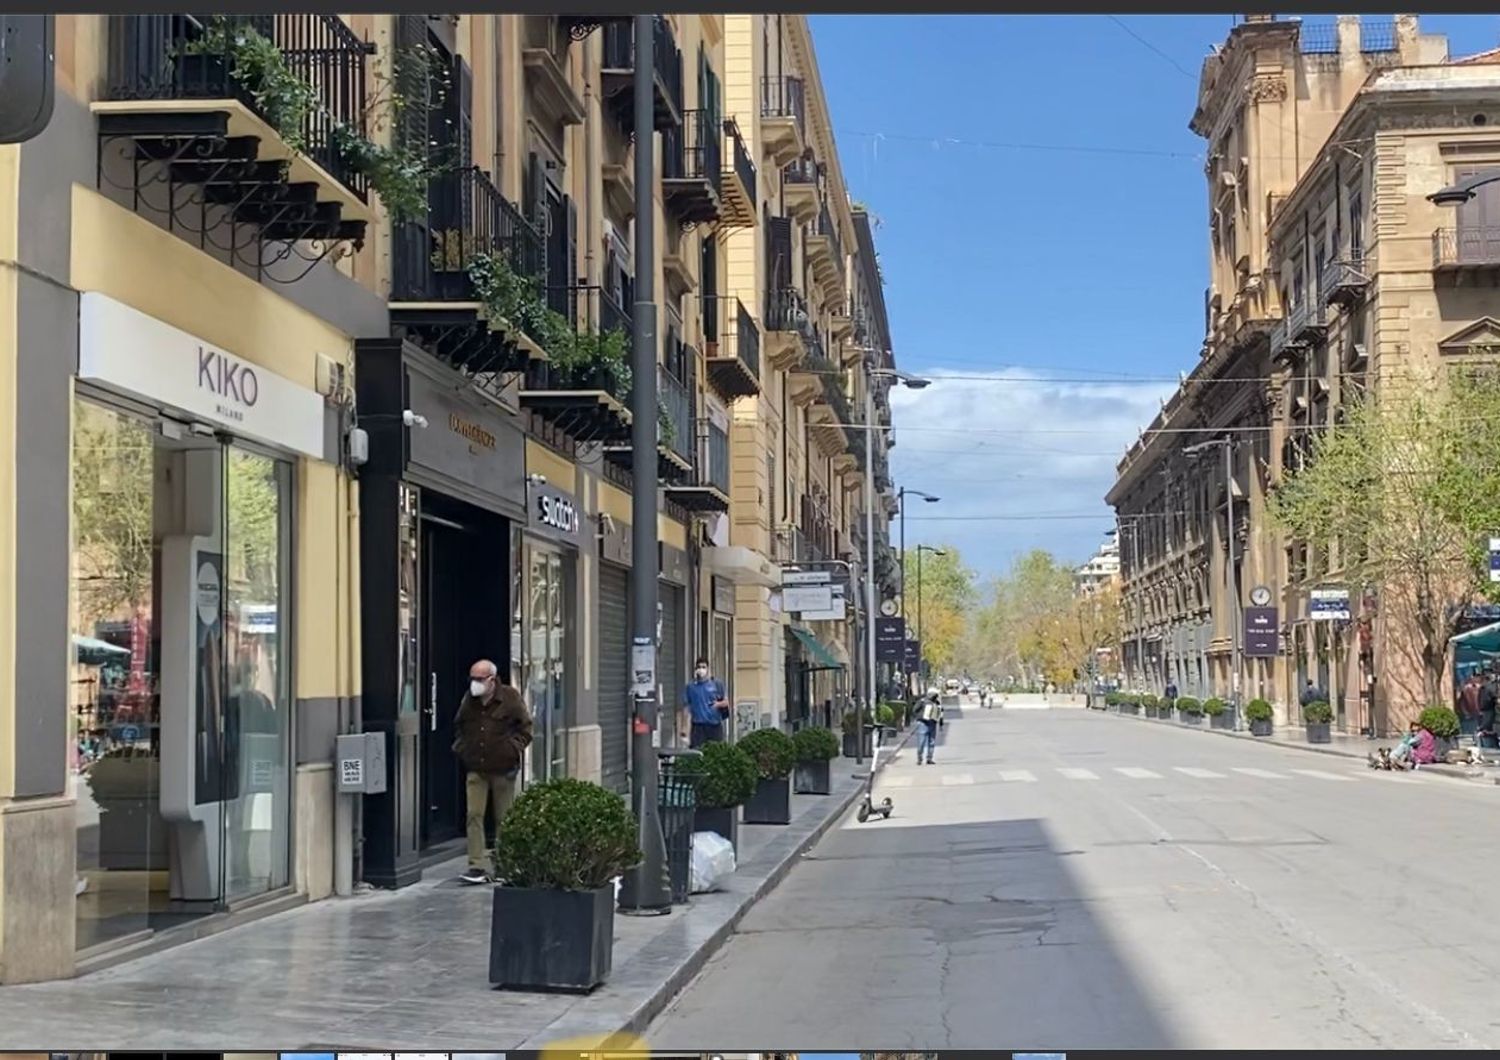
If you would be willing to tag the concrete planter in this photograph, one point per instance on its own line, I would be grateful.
(771, 803)
(1130, 708)
(1222, 721)
(1319, 732)
(551, 940)
(723, 820)
(814, 778)
(1153, 712)
(1260, 727)
(1190, 719)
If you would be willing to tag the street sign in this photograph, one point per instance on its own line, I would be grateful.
(913, 653)
(837, 610)
(798, 598)
(890, 639)
(1328, 605)
(1262, 637)
(806, 577)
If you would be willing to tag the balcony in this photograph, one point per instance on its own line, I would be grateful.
(806, 379)
(1308, 320)
(826, 250)
(783, 118)
(739, 190)
(706, 488)
(1343, 283)
(471, 230)
(692, 166)
(176, 111)
(732, 350)
(544, 56)
(800, 190)
(1466, 251)
(618, 73)
(787, 327)
(827, 419)
(675, 439)
(586, 398)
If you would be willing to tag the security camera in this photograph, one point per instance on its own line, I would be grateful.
(606, 522)
(536, 480)
(413, 419)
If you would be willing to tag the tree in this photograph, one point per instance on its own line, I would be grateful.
(1401, 494)
(113, 488)
(1014, 629)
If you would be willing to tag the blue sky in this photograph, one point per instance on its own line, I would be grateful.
(1032, 263)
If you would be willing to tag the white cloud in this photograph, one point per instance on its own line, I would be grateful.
(1014, 443)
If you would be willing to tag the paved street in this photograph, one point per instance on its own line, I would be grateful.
(1068, 879)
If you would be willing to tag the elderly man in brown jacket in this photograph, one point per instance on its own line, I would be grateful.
(494, 730)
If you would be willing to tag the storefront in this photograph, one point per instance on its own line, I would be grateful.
(718, 632)
(614, 655)
(672, 633)
(185, 462)
(440, 503)
(544, 625)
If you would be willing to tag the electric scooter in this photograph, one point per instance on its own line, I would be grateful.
(868, 807)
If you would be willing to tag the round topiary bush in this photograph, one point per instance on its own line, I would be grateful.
(1317, 713)
(1214, 706)
(728, 774)
(566, 835)
(1442, 722)
(1150, 701)
(815, 744)
(1259, 710)
(772, 751)
(1189, 705)
(884, 715)
(1112, 699)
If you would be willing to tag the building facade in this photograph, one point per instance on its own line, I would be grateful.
(335, 372)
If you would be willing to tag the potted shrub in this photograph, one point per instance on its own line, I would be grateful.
(1318, 718)
(816, 749)
(853, 730)
(1220, 714)
(774, 755)
(564, 843)
(1129, 704)
(1189, 710)
(1259, 714)
(728, 779)
(1442, 722)
(1151, 704)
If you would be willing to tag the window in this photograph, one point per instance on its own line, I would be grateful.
(1356, 225)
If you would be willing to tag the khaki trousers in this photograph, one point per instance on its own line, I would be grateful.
(481, 791)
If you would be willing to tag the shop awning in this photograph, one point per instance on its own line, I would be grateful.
(1483, 639)
(823, 659)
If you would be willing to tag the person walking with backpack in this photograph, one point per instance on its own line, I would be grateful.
(931, 715)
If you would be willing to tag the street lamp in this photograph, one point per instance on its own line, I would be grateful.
(922, 632)
(915, 383)
(1227, 444)
(1464, 190)
(901, 503)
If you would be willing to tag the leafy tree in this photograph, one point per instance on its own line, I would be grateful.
(946, 590)
(113, 468)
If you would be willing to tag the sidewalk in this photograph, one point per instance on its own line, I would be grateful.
(402, 969)
(1343, 745)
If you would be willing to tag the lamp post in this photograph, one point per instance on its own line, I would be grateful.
(1464, 190)
(901, 503)
(914, 383)
(1227, 445)
(921, 631)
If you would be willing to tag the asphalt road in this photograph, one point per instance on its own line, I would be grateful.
(1063, 879)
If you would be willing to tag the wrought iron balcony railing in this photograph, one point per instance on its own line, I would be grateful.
(715, 459)
(786, 310)
(695, 151)
(1466, 247)
(468, 218)
(784, 97)
(619, 55)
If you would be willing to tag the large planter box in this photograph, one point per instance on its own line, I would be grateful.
(1130, 708)
(850, 747)
(725, 820)
(1152, 712)
(771, 803)
(1190, 719)
(1319, 732)
(551, 940)
(1222, 721)
(1260, 727)
(814, 778)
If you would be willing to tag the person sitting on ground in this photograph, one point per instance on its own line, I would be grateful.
(1417, 748)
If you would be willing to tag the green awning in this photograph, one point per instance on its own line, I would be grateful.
(822, 658)
(1483, 639)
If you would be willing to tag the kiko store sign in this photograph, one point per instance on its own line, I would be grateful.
(124, 349)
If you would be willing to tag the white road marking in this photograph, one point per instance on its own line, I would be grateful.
(1020, 776)
(1136, 773)
(1320, 774)
(951, 779)
(1264, 774)
(896, 782)
(1078, 774)
(1201, 774)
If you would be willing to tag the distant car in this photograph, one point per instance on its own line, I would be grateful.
(951, 685)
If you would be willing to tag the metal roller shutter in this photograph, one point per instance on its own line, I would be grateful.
(614, 676)
(672, 678)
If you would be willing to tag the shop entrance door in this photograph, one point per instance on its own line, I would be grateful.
(544, 668)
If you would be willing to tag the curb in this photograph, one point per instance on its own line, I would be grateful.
(617, 1033)
(1446, 770)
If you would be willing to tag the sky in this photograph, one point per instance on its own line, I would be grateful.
(1043, 233)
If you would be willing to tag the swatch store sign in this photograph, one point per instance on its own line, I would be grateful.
(555, 514)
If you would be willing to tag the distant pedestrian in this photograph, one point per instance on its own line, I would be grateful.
(1468, 702)
(1312, 694)
(493, 731)
(707, 705)
(1489, 699)
(1171, 692)
(930, 717)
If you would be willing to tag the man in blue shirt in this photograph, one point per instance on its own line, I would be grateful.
(707, 706)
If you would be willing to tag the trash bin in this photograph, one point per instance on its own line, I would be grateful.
(677, 799)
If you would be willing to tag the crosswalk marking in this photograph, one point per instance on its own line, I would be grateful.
(1021, 776)
(897, 782)
(1136, 773)
(1078, 774)
(1201, 774)
(1264, 774)
(1320, 774)
(951, 779)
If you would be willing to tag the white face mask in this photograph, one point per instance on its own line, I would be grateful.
(702, 673)
(477, 688)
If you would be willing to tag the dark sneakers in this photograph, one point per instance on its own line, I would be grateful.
(474, 876)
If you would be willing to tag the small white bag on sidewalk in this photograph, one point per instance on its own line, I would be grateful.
(713, 862)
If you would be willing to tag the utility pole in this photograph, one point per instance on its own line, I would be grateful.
(870, 611)
(1236, 615)
(646, 889)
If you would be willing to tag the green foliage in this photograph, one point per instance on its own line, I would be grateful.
(1317, 713)
(1259, 710)
(1189, 705)
(773, 752)
(258, 67)
(1214, 706)
(1113, 699)
(1150, 701)
(399, 174)
(815, 744)
(728, 774)
(885, 715)
(1442, 722)
(566, 835)
(851, 721)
